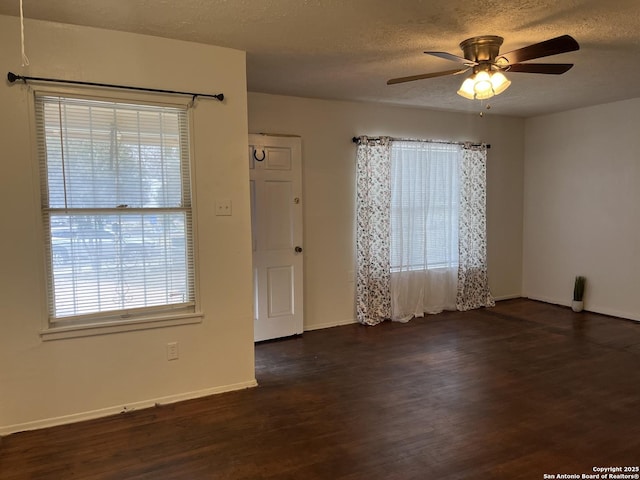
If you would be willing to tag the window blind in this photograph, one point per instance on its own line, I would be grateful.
(424, 205)
(116, 208)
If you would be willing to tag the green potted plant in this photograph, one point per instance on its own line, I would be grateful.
(578, 293)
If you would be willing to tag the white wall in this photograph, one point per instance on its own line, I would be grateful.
(328, 163)
(582, 207)
(56, 381)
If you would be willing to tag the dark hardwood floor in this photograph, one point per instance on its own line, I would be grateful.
(512, 392)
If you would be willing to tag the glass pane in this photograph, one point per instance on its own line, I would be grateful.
(101, 155)
(118, 261)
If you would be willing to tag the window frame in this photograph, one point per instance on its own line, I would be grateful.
(109, 322)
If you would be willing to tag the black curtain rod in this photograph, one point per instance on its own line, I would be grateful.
(12, 77)
(357, 139)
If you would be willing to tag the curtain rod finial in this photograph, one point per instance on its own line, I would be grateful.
(12, 77)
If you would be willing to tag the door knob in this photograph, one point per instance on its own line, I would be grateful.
(298, 249)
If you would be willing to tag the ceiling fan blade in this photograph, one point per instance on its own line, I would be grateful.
(425, 75)
(547, 68)
(554, 46)
(452, 57)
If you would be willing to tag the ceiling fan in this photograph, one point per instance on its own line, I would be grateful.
(481, 54)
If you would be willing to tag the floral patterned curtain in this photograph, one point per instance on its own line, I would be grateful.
(373, 205)
(473, 284)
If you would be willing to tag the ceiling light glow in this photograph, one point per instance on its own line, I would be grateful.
(484, 84)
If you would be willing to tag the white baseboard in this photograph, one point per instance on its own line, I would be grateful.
(105, 412)
(350, 321)
(320, 326)
(554, 301)
(507, 297)
(589, 308)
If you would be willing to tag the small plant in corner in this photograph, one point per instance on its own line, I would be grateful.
(578, 293)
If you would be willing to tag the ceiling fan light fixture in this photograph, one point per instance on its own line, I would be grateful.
(483, 85)
(499, 82)
(466, 89)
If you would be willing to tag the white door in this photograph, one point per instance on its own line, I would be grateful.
(276, 223)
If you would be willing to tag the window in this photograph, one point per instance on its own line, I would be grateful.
(424, 205)
(116, 209)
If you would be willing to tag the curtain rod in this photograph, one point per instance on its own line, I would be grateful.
(12, 77)
(357, 139)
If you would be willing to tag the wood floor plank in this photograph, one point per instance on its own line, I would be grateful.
(511, 392)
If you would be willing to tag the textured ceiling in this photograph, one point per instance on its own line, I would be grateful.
(347, 49)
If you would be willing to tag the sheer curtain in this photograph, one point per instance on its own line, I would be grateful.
(424, 228)
(373, 200)
(473, 283)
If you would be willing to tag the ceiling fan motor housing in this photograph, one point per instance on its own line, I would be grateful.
(482, 49)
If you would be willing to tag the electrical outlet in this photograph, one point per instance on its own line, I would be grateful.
(172, 351)
(223, 207)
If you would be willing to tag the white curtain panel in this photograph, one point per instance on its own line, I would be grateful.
(373, 200)
(473, 284)
(424, 228)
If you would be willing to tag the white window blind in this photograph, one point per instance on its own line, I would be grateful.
(116, 206)
(424, 205)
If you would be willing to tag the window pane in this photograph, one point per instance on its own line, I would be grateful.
(118, 262)
(102, 155)
(424, 205)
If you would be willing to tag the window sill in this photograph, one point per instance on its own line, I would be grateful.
(104, 328)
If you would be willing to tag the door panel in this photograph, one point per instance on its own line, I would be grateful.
(252, 193)
(276, 221)
(280, 222)
(278, 159)
(280, 288)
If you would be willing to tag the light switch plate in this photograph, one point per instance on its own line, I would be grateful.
(223, 207)
(172, 351)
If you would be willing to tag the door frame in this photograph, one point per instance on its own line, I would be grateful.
(268, 165)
